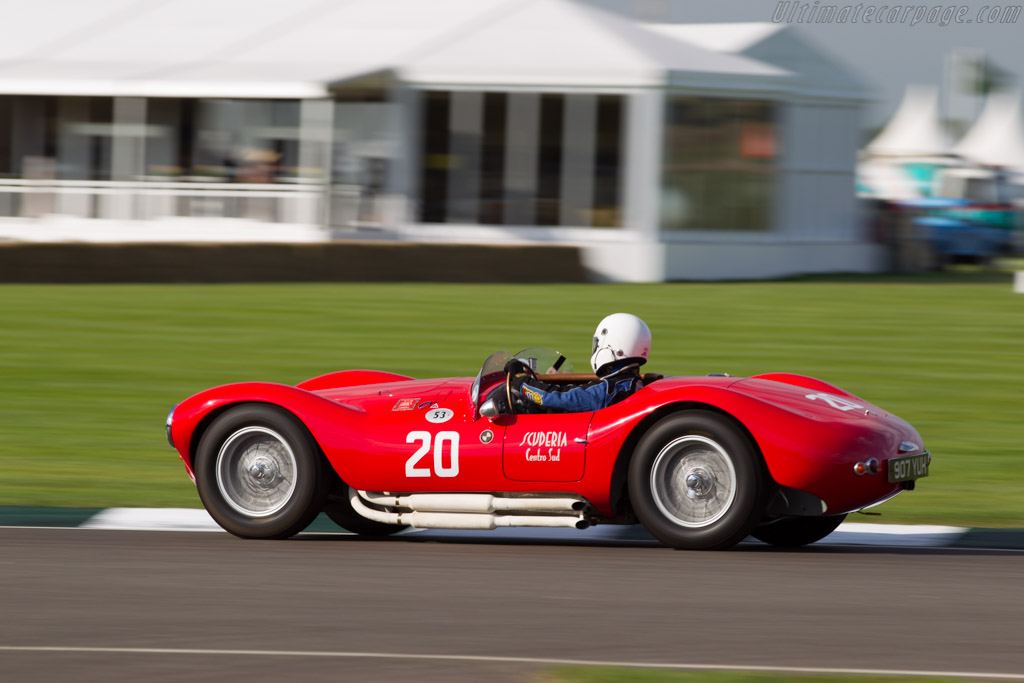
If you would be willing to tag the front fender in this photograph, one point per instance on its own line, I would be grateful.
(350, 378)
(320, 415)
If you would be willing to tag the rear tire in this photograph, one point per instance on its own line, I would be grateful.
(259, 472)
(696, 481)
(794, 532)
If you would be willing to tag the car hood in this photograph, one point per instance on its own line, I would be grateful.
(417, 391)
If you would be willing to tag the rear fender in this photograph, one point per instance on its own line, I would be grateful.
(618, 499)
(792, 456)
(619, 428)
(806, 382)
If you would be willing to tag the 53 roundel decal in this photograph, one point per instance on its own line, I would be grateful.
(439, 415)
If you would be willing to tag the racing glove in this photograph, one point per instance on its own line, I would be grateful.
(519, 372)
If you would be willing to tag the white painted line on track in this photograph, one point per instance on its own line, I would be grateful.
(510, 660)
(898, 529)
(152, 519)
(848, 533)
(913, 535)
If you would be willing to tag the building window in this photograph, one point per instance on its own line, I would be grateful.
(248, 141)
(29, 127)
(169, 144)
(363, 152)
(521, 159)
(6, 135)
(719, 167)
(549, 167)
(85, 132)
(608, 163)
(492, 159)
(435, 158)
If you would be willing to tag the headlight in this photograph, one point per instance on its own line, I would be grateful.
(167, 428)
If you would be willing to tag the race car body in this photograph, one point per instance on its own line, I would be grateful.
(702, 462)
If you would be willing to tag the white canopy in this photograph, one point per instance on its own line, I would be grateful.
(914, 131)
(997, 137)
(223, 48)
(295, 49)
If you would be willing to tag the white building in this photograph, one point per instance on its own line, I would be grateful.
(665, 151)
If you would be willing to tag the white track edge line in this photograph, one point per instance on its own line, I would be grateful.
(508, 660)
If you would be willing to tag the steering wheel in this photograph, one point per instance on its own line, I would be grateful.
(514, 367)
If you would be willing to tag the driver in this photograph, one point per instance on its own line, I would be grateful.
(622, 343)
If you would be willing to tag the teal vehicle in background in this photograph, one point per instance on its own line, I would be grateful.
(964, 215)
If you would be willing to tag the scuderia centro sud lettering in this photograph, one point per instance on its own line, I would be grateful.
(544, 446)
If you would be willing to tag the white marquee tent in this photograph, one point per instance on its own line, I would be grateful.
(997, 137)
(247, 48)
(528, 43)
(914, 130)
(311, 50)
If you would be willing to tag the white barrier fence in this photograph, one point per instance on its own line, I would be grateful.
(299, 203)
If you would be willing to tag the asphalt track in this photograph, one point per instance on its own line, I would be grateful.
(91, 605)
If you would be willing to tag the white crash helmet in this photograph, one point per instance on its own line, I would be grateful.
(620, 336)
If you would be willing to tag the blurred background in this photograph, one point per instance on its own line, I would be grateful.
(201, 192)
(665, 139)
(631, 142)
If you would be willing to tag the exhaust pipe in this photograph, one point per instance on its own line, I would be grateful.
(473, 502)
(463, 520)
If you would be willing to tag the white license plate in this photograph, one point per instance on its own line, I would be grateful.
(909, 467)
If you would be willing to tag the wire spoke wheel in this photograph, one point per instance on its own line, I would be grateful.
(693, 481)
(260, 473)
(256, 471)
(697, 481)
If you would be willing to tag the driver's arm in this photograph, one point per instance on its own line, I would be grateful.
(575, 400)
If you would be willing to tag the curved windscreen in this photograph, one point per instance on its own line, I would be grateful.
(492, 371)
(542, 360)
(545, 361)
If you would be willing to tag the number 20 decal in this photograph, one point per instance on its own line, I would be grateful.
(837, 402)
(442, 438)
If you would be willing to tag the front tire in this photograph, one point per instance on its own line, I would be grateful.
(797, 531)
(696, 481)
(260, 473)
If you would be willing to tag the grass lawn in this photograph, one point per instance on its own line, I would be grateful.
(88, 372)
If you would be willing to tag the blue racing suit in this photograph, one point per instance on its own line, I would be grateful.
(543, 398)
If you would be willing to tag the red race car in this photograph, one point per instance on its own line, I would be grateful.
(701, 462)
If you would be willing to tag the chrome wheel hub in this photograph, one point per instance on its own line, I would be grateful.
(699, 484)
(260, 470)
(693, 481)
(256, 471)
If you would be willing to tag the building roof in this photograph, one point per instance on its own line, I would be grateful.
(296, 49)
(564, 43)
(781, 45)
(242, 48)
(736, 37)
